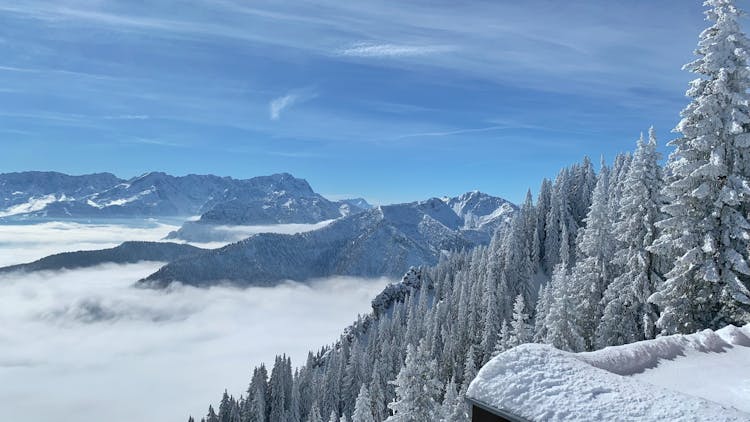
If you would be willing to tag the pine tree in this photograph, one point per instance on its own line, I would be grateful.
(560, 322)
(212, 416)
(592, 272)
(504, 339)
(363, 406)
(469, 370)
(225, 408)
(521, 331)
(706, 229)
(542, 211)
(628, 317)
(255, 408)
(489, 335)
(454, 408)
(314, 415)
(377, 393)
(540, 314)
(417, 388)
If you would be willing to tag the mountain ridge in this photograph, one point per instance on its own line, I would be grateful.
(273, 199)
(383, 241)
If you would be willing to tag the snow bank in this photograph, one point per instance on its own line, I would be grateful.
(642, 381)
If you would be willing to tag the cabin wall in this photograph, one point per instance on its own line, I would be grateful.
(480, 415)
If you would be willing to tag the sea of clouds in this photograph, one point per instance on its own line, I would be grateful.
(83, 345)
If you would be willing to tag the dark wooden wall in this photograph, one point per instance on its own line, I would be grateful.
(480, 415)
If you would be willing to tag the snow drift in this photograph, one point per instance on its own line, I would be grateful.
(638, 381)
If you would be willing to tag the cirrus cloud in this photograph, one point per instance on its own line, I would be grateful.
(280, 104)
(392, 50)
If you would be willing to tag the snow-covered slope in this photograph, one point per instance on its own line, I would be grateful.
(478, 209)
(276, 199)
(279, 198)
(644, 381)
(383, 241)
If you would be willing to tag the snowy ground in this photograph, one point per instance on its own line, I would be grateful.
(721, 376)
(700, 377)
(85, 346)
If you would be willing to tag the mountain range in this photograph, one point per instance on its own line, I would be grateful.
(383, 241)
(344, 237)
(275, 199)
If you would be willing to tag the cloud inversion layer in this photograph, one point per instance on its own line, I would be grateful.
(87, 345)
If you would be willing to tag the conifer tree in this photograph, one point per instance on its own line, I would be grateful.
(454, 407)
(314, 415)
(540, 314)
(560, 322)
(212, 416)
(417, 389)
(363, 406)
(521, 331)
(628, 316)
(377, 393)
(592, 272)
(708, 198)
(469, 369)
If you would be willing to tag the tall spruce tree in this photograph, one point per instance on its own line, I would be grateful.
(592, 272)
(521, 330)
(363, 406)
(417, 387)
(706, 229)
(561, 327)
(628, 316)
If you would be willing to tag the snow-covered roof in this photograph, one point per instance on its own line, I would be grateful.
(697, 377)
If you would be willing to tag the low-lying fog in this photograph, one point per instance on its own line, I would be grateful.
(21, 243)
(82, 345)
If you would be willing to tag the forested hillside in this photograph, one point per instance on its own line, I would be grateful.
(628, 253)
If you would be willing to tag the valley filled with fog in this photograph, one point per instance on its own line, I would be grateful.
(84, 343)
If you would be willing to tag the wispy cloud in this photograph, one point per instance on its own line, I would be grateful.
(128, 117)
(392, 50)
(153, 141)
(280, 104)
(453, 132)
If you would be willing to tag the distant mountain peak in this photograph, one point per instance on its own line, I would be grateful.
(278, 198)
(384, 241)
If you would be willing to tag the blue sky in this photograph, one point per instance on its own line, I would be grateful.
(390, 100)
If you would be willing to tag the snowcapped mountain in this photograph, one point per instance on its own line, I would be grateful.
(278, 198)
(382, 241)
(478, 209)
(275, 199)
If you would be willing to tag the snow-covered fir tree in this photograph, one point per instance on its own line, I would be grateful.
(593, 270)
(628, 316)
(708, 197)
(314, 415)
(562, 330)
(363, 406)
(417, 387)
(521, 330)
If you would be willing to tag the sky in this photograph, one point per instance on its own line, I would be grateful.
(391, 101)
(83, 344)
